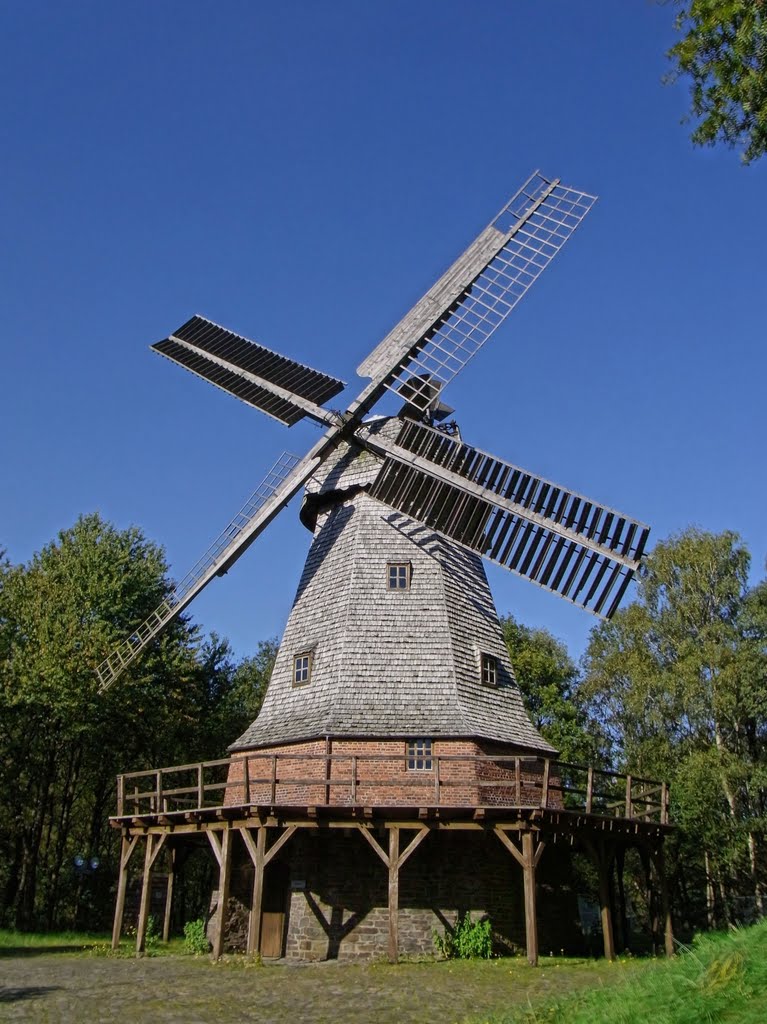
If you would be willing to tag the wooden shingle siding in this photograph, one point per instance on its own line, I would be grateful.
(386, 662)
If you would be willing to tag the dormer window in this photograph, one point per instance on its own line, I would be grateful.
(489, 670)
(302, 668)
(398, 575)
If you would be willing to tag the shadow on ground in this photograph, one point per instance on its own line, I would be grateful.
(16, 995)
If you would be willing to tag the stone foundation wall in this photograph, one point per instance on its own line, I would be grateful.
(335, 899)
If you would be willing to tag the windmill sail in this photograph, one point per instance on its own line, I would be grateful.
(454, 319)
(583, 551)
(280, 387)
(277, 488)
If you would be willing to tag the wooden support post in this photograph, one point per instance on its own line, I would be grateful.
(528, 861)
(246, 779)
(629, 801)
(518, 782)
(273, 792)
(169, 894)
(589, 790)
(154, 843)
(200, 787)
(146, 892)
(603, 861)
(531, 920)
(126, 849)
(257, 851)
(545, 784)
(393, 895)
(665, 902)
(224, 878)
(354, 779)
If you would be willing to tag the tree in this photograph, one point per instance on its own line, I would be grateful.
(723, 51)
(61, 741)
(678, 681)
(548, 679)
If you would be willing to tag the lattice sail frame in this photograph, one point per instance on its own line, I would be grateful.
(212, 563)
(455, 318)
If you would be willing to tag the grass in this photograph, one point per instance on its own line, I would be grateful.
(13, 943)
(720, 979)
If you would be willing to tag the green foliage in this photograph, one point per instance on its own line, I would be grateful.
(152, 937)
(468, 940)
(195, 939)
(62, 742)
(721, 977)
(723, 51)
(678, 682)
(548, 679)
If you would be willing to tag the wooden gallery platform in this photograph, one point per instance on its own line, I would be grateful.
(256, 807)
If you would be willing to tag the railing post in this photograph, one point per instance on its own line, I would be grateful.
(273, 799)
(629, 804)
(120, 796)
(200, 787)
(436, 780)
(354, 778)
(589, 789)
(518, 781)
(158, 792)
(545, 785)
(246, 778)
(664, 803)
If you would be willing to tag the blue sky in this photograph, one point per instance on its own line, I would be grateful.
(302, 172)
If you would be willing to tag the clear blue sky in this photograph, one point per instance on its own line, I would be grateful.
(301, 172)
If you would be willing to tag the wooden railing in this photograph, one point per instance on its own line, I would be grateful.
(386, 780)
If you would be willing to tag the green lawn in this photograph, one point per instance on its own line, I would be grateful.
(721, 978)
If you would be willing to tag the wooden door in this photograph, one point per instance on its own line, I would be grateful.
(273, 908)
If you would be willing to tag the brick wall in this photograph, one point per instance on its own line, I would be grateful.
(321, 772)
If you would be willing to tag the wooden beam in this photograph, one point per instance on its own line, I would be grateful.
(510, 846)
(374, 843)
(603, 861)
(276, 847)
(146, 892)
(215, 845)
(665, 903)
(393, 895)
(257, 852)
(531, 919)
(414, 843)
(224, 878)
(169, 894)
(126, 851)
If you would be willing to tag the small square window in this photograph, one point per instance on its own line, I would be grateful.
(419, 756)
(398, 576)
(489, 670)
(302, 668)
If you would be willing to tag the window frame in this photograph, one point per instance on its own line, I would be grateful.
(419, 754)
(309, 656)
(396, 566)
(488, 669)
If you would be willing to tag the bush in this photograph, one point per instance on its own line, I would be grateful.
(195, 939)
(469, 940)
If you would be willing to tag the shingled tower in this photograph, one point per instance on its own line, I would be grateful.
(388, 631)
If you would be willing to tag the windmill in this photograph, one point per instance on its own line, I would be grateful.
(392, 706)
(417, 465)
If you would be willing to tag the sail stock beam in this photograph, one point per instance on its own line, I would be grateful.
(455, 318)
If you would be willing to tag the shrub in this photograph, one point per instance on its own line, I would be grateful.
(469, 940)
(195, 939)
